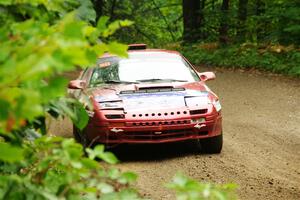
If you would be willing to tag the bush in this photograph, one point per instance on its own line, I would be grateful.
(56, 168)
(275, 58)
(189, 189)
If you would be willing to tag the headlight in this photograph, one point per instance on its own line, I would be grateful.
(217, 105)
(111, 105)
(196, 101)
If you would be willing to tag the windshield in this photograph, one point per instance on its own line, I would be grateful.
(143, 67)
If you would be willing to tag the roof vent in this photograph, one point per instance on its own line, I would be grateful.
(137, 46)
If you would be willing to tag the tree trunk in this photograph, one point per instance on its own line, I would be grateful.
(260, 10)
(192, 20)
(242, 18)
(112, 10)
(98, 6)
(223, 31)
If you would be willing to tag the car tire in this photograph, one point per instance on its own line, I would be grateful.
(212, 145)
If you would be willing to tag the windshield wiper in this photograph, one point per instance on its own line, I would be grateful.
(112, 82)
(159, 79)
(120, 82)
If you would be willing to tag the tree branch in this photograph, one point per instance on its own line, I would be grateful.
(165, 20)
(143, 34)
(165, 6)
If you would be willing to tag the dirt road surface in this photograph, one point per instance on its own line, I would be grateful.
(261, 153)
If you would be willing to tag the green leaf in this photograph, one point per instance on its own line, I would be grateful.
(127, 177)
(114, 173)
(93, 153)
(98, 152)
(105, 188)
(82, 117)
(4, 109)
(10, 153)
(108, 157)
(101, 24)
(118, 49)
(55, 88)
(90, 164)
(86, 11)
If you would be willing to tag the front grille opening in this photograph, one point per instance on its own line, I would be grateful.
(198, 112)
(115, 116)
(158, 123)
(167, 134)
(165, 114)
(203, 133)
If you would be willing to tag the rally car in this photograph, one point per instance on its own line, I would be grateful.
(153, 96)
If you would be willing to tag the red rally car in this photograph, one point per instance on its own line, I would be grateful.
(153, 96)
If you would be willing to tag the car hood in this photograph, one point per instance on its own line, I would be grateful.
(149, 96)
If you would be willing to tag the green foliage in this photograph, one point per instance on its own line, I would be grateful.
(35, 52)
(156, 22)
(40, 40)
(189, 189)
(71, 108)
(267, 23)
(275, 58)
(10, 153)
(56, 168)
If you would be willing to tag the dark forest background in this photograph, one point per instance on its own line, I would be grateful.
(238, 33)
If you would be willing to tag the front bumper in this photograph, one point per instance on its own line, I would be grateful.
(148, 129)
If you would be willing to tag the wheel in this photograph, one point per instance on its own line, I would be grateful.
(212, 145)
(78, 136)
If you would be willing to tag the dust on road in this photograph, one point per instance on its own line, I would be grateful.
(261, 153)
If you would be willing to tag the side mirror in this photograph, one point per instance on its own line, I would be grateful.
(76, 84)
(206, 76)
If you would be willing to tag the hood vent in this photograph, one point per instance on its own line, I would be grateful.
(115, 116)
(155, 87)
(152, 90)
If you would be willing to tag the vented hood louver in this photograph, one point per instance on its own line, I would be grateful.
(152, 90)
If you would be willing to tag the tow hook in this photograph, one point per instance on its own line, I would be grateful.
(199, 126)
(116, 130)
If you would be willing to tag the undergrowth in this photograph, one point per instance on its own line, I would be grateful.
(269, 57)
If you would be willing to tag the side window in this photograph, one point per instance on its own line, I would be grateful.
(107, 69)
(83, 74)
(104, 74)
(194, 74)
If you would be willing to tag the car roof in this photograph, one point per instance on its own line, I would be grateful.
(153, 52)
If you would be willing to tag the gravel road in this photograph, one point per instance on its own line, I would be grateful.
(261, 153)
